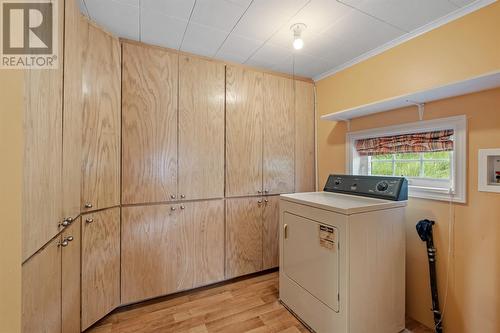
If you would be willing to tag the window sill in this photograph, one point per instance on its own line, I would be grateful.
(433, 193)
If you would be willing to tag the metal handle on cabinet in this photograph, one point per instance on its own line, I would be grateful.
(172, 208)
(89, 220)
(266, 201)
(64, 243)
(172, 196)
(266, 191)
(183, 196)
(259, 202)
(259, 191)
(69, 238)
(65, 223)
(88, 205)
(285, 230)
(182, 207)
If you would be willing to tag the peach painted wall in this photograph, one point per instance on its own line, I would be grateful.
(465, 48)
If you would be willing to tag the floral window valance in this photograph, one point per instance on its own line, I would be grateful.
(407, 143)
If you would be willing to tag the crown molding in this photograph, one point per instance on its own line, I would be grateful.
(406, 37)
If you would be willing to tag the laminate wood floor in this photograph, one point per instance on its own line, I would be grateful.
(245, 305)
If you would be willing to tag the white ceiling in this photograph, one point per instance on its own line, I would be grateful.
(257, 32)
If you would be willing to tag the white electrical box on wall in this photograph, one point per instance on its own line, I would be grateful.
(489, 170)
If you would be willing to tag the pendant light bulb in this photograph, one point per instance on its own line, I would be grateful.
(297, 29)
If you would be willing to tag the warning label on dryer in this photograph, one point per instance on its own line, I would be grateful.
(327, 237)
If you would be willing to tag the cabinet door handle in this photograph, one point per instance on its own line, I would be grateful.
(182, 196)
(259, 191)
(89, 220)
(183, 207)
(88, 205)
(285, 230)
(64, 243)
(266, 191)
(69, 238)
(259, 202)
(266, 201)
(172, 208)
(172, 196)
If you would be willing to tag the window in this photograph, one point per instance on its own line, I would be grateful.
(430, 154)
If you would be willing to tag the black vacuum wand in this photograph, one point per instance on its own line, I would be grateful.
(424, 230)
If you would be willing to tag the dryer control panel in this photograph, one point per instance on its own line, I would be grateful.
(381, 187)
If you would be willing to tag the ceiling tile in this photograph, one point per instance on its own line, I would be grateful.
(265, 17)
(270, 55)
(462, 3)
(174, 8)
(203, 40)
(220, 14)
(243, 3)
(120, 19)
(238, 49)
(309, 66)
(405, 14)
(134, 3)
(162, 30)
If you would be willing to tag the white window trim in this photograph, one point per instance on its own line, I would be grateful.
(458, 191)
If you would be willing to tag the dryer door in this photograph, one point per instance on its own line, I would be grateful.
(311, 257)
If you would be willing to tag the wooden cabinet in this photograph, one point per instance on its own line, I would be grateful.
(279, 138)
(244, 112)
(270, 232)
(243, 236)
(41, 290)
(252, 238)
(100, 264)
(101, 120)
(41, 196)
(75, 31)
(168, 248)
(260, 133)
(71, 270)
(51, 286)
(201, 128)
(149, 124)
(305, 153)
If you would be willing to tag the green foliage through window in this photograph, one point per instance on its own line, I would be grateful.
(435, 165)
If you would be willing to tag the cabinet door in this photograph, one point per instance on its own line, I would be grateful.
(244, 108)
(148, 251)
(149, 127)
(243, 236)
(169, 248)
(74, 38)
(305, 168)
(101, 121)
(201, 128)
(279, 139)
(42, 153)
(100, 265)
(71, 269)
(41, 291)
(201, 238)
(270, 232)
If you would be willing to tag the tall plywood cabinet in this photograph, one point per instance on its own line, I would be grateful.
(101, 75)
(42, 210)
(278, 132)
(149, 123)
(201, 128)
(244, 112)
(260, 139)
(305, 153)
